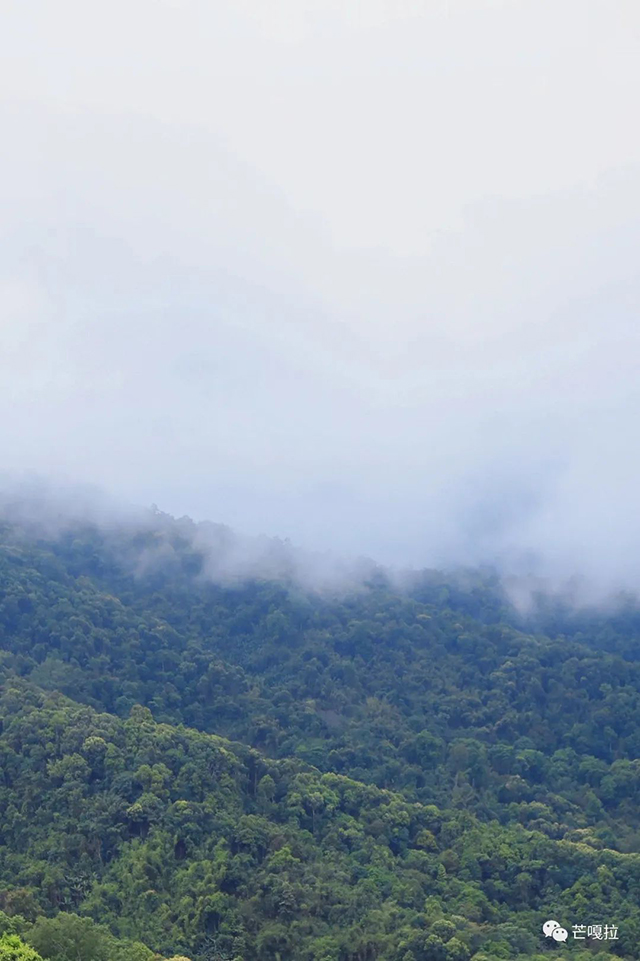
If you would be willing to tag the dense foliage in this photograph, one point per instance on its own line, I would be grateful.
(259, 771)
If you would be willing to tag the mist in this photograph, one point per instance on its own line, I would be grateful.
(363, 277)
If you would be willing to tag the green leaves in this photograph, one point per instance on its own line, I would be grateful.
(12, 948)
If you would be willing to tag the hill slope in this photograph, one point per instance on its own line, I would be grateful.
(409, 775)
(193, 844)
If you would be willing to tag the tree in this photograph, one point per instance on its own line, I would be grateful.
(12, 948)
(68, 937)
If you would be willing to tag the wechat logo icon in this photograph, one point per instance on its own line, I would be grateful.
(552, 929)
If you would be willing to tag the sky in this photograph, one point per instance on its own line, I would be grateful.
(359, 274)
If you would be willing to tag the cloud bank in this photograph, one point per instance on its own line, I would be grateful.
(359, 275)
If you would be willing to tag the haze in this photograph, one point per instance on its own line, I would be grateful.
(363, 275)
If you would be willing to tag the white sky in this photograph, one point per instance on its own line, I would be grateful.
(363, 274)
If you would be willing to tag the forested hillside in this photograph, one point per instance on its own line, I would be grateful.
(249, 770)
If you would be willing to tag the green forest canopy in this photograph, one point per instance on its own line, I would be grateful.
(257, 771)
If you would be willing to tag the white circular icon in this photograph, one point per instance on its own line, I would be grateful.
(559, 934)
(549, 927)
